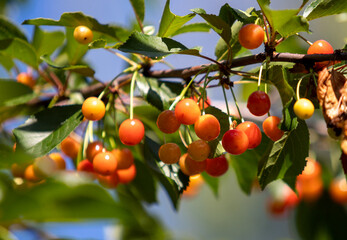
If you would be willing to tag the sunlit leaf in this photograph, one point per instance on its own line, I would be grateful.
(170, 22)
(322, 8)
(193, 27)
(46, 129)
(47, 42)
(139, 9)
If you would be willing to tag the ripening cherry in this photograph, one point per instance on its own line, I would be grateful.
(94, 148)
(207, 127)
(126, 176)
(26, 79)
(44, 167)
(131, 132)
(251, 36)
(270, 128)
(70, 147)
(311, 171)
(187, 111)
(93, 109)
(235, 141)
(190, 167)
(108, 181)
(217, 166)
(253, 133)
(83, 35)
(199, 150)
(30, 175)
(169, 153)
(303, 108)
(258, 103)
(86, 166)
(194, 186)
(105, 163)
(321, 47)
(206, 103)
(338, 190)
(124, 157)
(59, 160)
(167, 122)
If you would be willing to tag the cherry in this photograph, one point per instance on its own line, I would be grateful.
(131, 132)
(44, 167)
(193, 188)
(235, 141)
(303, 108)
(59, 160)
(93, 149)
(251, 36)
(124, 157)
(321, 47)
(105, 163)
(86, 166)
(167, 122)
(199, 150)
(18, 170)
(258, 103)
(338, 190)
(83, 34)
(187, 111)
(127, 175)
(270, 128)
(26, 78)
(169, 153)
(70, 147)
(93, 109)
(109, 181)
(253, 133)
(206, 103)
(30, 175)
(217, 166)
(190, 167)
(207, 127)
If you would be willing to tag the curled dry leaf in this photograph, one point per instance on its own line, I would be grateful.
(332, 96)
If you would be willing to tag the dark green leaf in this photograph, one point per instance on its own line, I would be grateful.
(47, 42)
(246, 164)
(81, 69)
(9, 31)
(158, 93)
(193, 27)
(218, 24)
(46, 129)
(287, 157)
(6, 61)
(75, 19)
(322, 8)
(154, 47)
(99, 43)
(19, 49)
(139, 9)
(230, 15)
(170, 22)
(14, 93)
(8, 112)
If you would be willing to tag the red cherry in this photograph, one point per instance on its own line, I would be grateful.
(217, 166)
(235, 141)
(131, 132)
(253, 133)
(258, 103)
(321, 47)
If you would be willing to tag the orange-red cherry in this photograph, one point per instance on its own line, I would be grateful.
(207, 127)
(105, 163)
(253, 133)
(167, 122)
(251, 36)
(217, 166)
(235, 141)
(187, 111)
(131, 132)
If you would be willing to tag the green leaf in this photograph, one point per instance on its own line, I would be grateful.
(212, 182)
(46, 129)
(74, 50)
(14, 93)
(8, 112)
(8, 30)
(8, 156)
(287, 157)
(74, 19)
(47, 42)
(158, 93)
(6, 61)
(322, 8)
(170, 22)
(246, 164)
(193, 27)
(154, 47)
(69, 197)
(285, 22)
(19, 49)
(139, 9)
(230, 15)
(218, 24)
(81, 69)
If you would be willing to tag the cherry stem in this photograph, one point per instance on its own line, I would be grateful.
(237, 105)
(132, 63)
(110, 83)
(310, 43)
(226, 104)
(132, 86)
(259, 78)
(204, 91)
(182, 138)
(298, 86)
